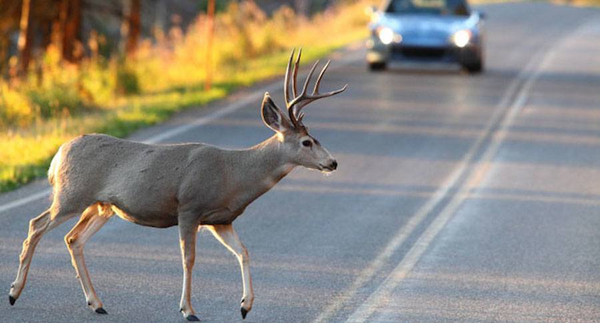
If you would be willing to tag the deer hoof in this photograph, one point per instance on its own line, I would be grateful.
(192, 318)
(101, 311)
(244, 313)
(12, 300)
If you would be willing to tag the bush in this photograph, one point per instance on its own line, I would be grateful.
(127, 80)
(15, 108)
(98, 83)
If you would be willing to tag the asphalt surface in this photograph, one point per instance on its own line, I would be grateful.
(458, 198)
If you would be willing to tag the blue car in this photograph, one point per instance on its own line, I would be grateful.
(426, 30)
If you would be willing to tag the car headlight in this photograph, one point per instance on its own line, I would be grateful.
(461, 38)
(386, 35)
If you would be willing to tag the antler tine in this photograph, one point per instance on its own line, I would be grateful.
(328, 94)
(286, 81)
(318, 83)
(294, 74)
(307, 81)
(295, 79)
(311, 99)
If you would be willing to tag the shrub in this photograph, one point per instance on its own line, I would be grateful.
(127, 80)
(15, 108)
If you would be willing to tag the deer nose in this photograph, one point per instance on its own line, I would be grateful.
(333, 164)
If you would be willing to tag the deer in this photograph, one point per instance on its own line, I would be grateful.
(189, 185)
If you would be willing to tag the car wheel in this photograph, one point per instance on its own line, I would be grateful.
(474, 68)
(377, 67)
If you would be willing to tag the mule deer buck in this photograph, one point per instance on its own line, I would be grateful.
(189, 185)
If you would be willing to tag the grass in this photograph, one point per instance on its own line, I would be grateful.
(38, 115)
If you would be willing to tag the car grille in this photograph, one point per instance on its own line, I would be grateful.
(420, 52)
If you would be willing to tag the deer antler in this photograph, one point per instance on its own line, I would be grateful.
(295, 104)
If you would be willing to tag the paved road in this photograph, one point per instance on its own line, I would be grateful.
(458, 198)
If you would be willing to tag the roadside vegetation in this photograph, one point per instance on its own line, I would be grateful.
(55, 99)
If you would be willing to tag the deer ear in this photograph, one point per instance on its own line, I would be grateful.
(273, 117)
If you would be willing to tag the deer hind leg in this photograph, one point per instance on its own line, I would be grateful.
(187, 241)
(229, 238)
(93, 218)
(38, 226)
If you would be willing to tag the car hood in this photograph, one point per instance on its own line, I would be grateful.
(426, 30)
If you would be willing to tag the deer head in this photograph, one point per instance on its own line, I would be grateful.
(302, 148)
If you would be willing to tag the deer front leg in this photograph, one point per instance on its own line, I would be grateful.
(229, 238)
(187, 241)
(90, 222)
(37, 227)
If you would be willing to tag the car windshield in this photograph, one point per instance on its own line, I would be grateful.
(435, 7)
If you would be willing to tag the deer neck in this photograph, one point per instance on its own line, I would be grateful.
(267, 163)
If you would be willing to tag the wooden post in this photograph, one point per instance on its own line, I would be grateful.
(209, 43)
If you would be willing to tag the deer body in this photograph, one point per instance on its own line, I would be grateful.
(192, 186)
(212, 183)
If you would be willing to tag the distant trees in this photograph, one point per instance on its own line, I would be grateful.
(28, 27)
(36, 24)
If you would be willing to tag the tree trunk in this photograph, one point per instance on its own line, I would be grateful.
(302, 7)
(24, 43)
(133, 27)
(70, 23)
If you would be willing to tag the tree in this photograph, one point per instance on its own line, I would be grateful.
(24, 43)
(302, 7)
(70, 29)
(133, 27)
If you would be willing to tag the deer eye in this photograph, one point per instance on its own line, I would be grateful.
(306, 143)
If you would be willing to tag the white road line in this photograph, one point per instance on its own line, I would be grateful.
(27, 199)
(211, 117)
(523, 81)
(380, 296)
(235, 106)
